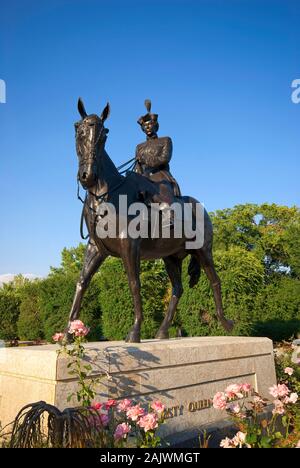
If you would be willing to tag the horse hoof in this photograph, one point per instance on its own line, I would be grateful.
(133, 337)
(69, 337)
(161, 335)
(228, 325)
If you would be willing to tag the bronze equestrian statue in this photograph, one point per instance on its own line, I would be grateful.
(102, 181)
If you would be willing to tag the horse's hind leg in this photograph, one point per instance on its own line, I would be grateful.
(173, 267)
(92, 261)
(206, 260)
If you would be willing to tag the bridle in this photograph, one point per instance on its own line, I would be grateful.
(99, 198)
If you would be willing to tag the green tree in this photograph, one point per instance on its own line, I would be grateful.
(270, 231)
(9, 312)
(30, 325)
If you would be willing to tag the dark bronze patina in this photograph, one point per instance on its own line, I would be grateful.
(153, 156)
(102, 181)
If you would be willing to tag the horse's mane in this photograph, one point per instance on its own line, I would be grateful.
(108, 167)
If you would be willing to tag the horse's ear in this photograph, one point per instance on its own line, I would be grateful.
(81, 108)
(105, 112)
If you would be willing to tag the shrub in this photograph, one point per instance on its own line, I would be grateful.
(29, 325)
(9, 312)
(55, 300)
(116, 301)
(241, 274)
(277, 309)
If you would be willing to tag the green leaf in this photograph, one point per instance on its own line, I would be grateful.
(251, 439)
(265, 442)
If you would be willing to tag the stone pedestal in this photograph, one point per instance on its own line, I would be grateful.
(183, 373)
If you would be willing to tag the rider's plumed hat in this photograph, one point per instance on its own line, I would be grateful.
(147, 117)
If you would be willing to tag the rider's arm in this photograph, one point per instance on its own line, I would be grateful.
(138, 166)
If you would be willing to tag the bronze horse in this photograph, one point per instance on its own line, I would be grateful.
(102, 181)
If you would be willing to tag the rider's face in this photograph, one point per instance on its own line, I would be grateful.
(149, 128)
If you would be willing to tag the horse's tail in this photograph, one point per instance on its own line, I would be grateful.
(194, 271)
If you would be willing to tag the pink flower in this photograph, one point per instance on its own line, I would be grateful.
(78, 328)
(280, 390)
(298, 444)
(293, 398)
(124, 405)
(158, 407)
(234, 391)
(289, 370)
(135, 412)
(279, 407)
(58, 337)
(97, 406)
(234, 408)
(226, 443)
(101, 420)
(82, 331)
(239, 440)
(109, 404)
(246, 387)
(121, 431)
(149, 422)
(258, 400)
(76, 325)
(220, 401)
(104, 418)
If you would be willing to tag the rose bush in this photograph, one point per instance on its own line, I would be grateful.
(255, 428)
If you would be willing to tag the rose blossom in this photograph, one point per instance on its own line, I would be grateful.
(78, 328)
(246, 387)
(97, 406)
(109, 404)
(135, 412)
(292, 398)
(234, 391)
(239, 440)
(58, 337)
(289, 370)
(101, 420)
(279, 407)
(258, 400)
(158, 407)
(234, 408)
(124, 405)
(220, 401)
(121, 431)
(148, 422)
(226, 443)
(280, 390)
(104, 418)
(75, 325)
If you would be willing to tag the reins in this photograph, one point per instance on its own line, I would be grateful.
(103, 195)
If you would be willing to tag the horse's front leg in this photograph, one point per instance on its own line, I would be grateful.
(131, 260)
(92, 261)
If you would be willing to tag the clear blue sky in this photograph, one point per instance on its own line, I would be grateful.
(219, 75)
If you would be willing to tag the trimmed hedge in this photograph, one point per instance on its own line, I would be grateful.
(9, 312)
(116, 302)
(30, 324)
(55, 299)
